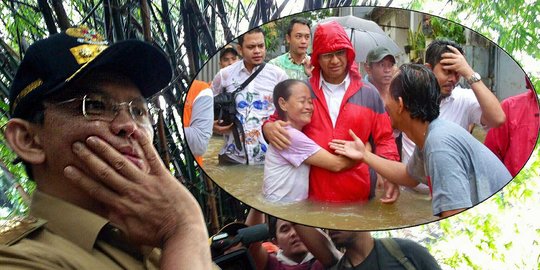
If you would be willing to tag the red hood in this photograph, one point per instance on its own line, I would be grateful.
(330, 37)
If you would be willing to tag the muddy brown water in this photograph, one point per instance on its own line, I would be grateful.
(245, 183)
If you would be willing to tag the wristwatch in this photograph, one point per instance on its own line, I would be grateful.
(475, 77)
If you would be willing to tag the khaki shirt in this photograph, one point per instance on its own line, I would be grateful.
(68, 240)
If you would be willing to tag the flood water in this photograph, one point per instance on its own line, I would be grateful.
(245, 183)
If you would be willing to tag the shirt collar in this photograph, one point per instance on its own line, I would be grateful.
(367, 78)
(287, 261)
(289, 57)
(449, 98)
(77, 225)
(244, 69)
(345, 82)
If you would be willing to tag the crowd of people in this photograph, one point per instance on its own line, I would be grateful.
(315, 122)
(291, 246)
(81, 125)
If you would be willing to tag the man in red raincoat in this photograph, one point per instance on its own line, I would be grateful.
(341, 102)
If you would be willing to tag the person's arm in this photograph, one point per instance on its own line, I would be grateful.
(448, 213)
(273, 129)
(274, 132)
(492, 113)
(202, 121)
(256, 250)
(394, 171)
(221, 130)
(391, 191)
(319, 244)
(217, 83)
(329, 161)
(305, 150)
(144, 205)
(385, 146)
(383, 134)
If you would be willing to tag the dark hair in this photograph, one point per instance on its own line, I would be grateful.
(299, 21)
(437, 48)
(226, 51)
(418, 87)
(283, 90)
(252, 31)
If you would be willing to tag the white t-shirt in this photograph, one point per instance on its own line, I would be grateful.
(286, 177)
(334, 93)
(461, 107)
(254, 105)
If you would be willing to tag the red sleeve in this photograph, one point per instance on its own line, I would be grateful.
(497, 139)
(385, 143)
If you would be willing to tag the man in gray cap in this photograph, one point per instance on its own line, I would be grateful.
(380, 66)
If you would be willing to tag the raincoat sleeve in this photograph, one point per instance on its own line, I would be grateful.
(385, 143)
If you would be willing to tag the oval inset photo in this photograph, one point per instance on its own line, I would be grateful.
(365, 118)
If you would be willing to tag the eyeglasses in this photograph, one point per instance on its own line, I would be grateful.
(104, 108)
(330, 56)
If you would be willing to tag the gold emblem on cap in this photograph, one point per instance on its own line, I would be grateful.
(86, 35)
(93, 45)
(86, 52)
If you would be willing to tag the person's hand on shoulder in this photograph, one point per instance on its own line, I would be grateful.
(277, 135)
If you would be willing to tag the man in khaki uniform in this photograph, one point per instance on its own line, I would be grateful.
(104, 200)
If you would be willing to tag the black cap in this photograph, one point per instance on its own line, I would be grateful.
(51, 63)
(226, 50)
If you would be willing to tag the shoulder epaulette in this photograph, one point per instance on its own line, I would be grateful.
(14, 229)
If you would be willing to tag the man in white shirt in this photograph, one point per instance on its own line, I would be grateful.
(462, 106)
(253, 103)
(446, 60)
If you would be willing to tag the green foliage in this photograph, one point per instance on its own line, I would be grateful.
(447, 29)
(271, 34)
(417, 39)
(27, 17)
(512, 24)
(15, 177)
